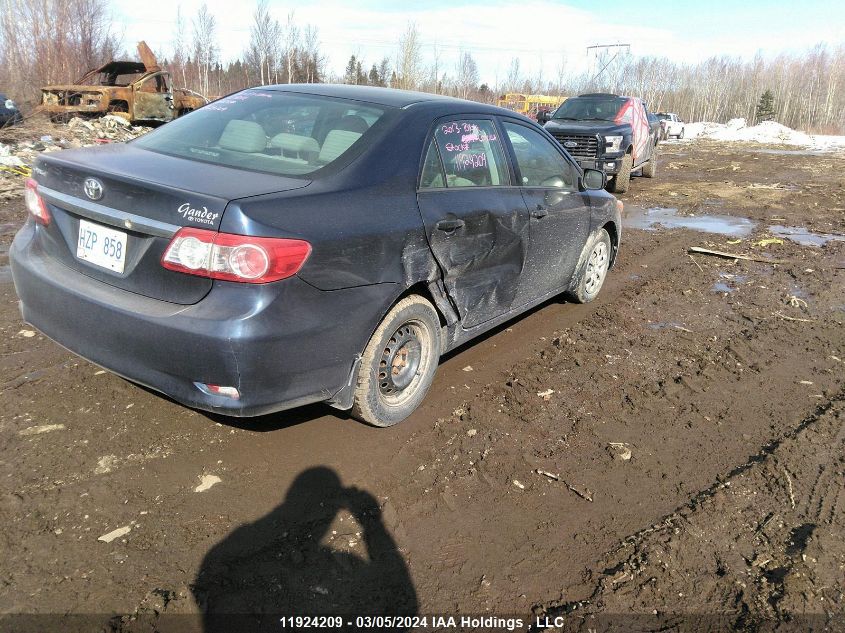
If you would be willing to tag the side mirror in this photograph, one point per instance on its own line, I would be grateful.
(543, 117)
(594, 179)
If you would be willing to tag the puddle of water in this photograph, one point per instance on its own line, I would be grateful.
(802, 236)
(740, 279)
(650, 219)
(791, 152)
(721, 286)
(662, 325)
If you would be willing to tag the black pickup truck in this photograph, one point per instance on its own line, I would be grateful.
(607, 132)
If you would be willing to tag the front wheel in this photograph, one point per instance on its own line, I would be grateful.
(594, 269)
(398, 364)
(620, 181)
(681, 135)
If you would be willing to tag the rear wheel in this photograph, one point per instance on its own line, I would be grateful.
(594, 270)
(681, 135)
(620, 181)
(398, 364)
(650, 168)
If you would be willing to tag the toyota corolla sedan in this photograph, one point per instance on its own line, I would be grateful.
(297, 244)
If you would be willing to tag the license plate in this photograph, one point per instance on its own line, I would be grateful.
(101, 246)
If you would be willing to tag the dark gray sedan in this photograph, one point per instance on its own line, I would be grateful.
(306, 243)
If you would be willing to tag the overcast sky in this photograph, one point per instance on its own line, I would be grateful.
(539, 32)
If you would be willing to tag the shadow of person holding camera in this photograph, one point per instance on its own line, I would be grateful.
(280, 565)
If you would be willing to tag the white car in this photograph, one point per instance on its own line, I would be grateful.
(672, 124)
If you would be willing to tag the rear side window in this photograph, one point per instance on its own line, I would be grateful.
(432, 171)
(282, 133)
(472, 153)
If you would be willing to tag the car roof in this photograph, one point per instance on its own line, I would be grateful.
(390, 97)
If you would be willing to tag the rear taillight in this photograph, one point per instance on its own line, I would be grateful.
(35, 203)
(231, 257)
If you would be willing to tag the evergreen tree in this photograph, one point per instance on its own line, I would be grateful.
(374, 78)
(765, 107)
(351, 74)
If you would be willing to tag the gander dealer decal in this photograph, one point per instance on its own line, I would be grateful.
(198, 216)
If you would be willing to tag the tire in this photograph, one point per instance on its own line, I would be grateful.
(594, 269)
(681, 135)
(620, 181)
(412, 326)
(650, 168)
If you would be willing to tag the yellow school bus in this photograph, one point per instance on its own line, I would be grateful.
(529, 105)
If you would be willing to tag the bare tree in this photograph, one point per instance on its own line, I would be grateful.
(179, 62)
(409, 64)
(514, 81)
(52, 41)
(263, 38)
(291, 45)
(467, 79)
(205, 49)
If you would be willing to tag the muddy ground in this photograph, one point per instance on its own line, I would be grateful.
(685, 466)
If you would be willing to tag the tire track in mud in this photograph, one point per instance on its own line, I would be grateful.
(822, 505)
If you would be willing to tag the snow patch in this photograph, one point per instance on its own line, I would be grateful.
(767, 132)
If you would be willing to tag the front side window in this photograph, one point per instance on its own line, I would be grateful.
(472, 153)
(540, 163)
(282, 133)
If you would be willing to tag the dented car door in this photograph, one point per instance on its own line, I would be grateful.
(475, 219)
(559, 212)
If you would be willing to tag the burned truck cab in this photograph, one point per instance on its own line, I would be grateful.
(137, 91)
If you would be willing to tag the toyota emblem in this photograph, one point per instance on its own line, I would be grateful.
(93, 188)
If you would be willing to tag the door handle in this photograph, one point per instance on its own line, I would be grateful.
(449, 225)
(539, 212)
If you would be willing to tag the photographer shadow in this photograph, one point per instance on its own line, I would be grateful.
(280, 564)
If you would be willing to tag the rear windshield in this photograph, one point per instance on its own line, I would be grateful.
(281, 133)
(596, 109)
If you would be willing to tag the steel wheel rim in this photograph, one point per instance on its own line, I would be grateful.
(403, 362)
(596, 268)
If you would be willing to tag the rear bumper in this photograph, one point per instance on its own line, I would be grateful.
(282, 345)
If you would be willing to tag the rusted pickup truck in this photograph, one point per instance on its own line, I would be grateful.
(137, 91)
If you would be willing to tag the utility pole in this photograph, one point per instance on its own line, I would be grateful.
(601, 50)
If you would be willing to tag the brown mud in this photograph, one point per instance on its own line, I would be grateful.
(721, 381)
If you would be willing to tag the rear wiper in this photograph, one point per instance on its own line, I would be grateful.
(566, 118)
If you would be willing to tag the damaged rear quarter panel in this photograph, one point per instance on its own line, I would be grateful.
(368, 228)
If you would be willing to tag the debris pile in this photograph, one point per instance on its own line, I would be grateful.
(19, 145)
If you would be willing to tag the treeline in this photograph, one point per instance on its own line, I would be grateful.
(52, 42)
(56, 41)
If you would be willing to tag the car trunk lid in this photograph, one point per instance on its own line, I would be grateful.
(141, 198)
